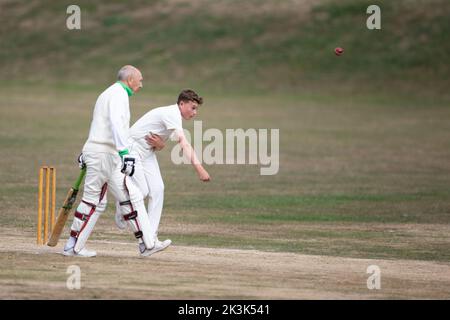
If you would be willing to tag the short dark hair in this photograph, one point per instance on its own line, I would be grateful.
(189, 95)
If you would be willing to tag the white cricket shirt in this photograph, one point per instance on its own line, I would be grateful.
(163, 121)
(110, 124)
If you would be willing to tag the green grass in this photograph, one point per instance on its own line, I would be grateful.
(363, 137)
(351, 166)
(272, 209)
(282, 201)
(229, 46)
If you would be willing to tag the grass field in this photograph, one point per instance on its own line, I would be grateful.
(232, 45)
(364, 173)
(356, 180)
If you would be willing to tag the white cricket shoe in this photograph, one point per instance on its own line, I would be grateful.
(85, 253)
(159, 246)
(120, 221)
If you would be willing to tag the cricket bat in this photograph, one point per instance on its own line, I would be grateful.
(65, 210)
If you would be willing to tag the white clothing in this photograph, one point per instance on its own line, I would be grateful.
(149, 181)
(108, 135)
(110, 122)
(101, 169)
(163, 121)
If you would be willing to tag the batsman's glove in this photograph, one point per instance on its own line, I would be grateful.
(81, 162)
(128, 163)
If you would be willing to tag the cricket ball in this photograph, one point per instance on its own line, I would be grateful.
(338, 51)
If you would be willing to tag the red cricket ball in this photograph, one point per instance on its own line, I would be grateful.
(338, 51)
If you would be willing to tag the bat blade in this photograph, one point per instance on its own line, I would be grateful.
(63, 213)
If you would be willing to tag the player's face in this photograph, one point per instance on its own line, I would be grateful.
(135, 81)
(188, 109)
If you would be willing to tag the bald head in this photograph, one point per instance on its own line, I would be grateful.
(131, 76)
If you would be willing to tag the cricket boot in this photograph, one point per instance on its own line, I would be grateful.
(159, 246)
(84, 253)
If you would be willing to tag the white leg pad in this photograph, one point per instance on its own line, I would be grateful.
(135, 215)
(84, 222)
(138, 222)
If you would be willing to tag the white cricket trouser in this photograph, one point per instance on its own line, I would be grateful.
(104, 168)
(148, 179)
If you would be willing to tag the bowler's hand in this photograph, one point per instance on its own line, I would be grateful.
(203, 175)
(154, 141)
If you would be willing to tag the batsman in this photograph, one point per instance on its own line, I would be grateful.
(109, 166)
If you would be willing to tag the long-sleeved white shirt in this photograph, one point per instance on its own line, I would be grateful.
(110, 123)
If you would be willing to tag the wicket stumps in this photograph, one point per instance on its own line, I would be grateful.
(49, 183)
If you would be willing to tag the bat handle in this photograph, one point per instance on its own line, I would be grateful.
(76, 185)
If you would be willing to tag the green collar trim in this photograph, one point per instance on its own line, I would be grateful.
(127, 88)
